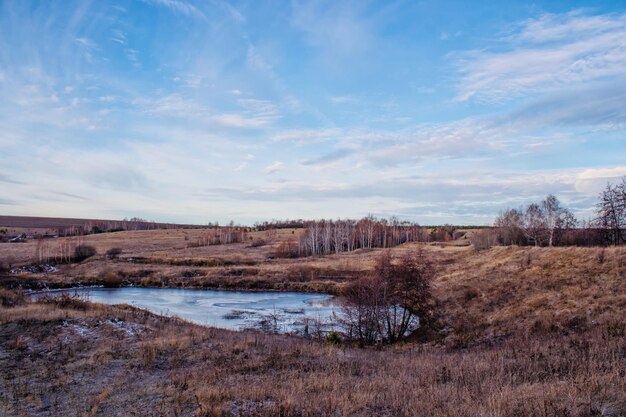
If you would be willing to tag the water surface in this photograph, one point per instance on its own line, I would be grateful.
(289, 312)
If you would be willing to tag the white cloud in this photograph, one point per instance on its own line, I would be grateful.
(241, 166)
(274, 168)
(170, 105)
(547, 52)
(119, 36)
(179, 6)
(591, 181)
(602, 173)
(307, 135)
(255, 114)
(337, 29)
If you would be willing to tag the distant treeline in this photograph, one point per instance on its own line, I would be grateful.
(322, 237)
(107, 226)
(548, 223)
(280, 224)
(62, 227)
(223, 235)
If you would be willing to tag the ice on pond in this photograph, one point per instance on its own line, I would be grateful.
(287, 312)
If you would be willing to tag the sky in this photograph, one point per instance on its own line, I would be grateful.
(197, 111)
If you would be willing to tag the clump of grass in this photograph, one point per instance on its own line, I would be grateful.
(525, 261)
(110, 279)
(600, 256)
(113, 253)
(178, 368)
(333, 338)
(67, 301)
(11, 298)
(258, 242)
(83, 252)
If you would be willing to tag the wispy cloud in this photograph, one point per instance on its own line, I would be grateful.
(329, 157)
(597, 105)
(135, 119)
(179, 6)
(340, 31)
(119, 36)
(307, 135)
(274, 168)
(7, 179)
(543, 53)
(342, 99)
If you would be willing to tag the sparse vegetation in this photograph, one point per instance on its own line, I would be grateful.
(57, 357)
(111, 279)
(519, 331)
(393, 301)
(83, 252)
(10, 298)
(113, 253)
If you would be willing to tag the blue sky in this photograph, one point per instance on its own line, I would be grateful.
(205, 110)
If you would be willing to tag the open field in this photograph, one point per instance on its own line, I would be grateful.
(522, 331)
(490, 293)
(82, 360)
(39, 226)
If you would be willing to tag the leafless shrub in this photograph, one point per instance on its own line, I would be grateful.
(391, 303)
(113, 253)
(110, 279)
(67, 300)
(483, 239)
(286, 249)
(258, 242)
(525, 261)
(600, 256)
(10, 298)
(83, 252)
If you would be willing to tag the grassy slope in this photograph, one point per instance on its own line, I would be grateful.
(118, 361)
(526, 331)
(504, 291)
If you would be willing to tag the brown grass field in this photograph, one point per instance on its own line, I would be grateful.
(524, 332)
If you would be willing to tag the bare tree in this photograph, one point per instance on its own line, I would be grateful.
(510, 227)
(556, 218)
(611, 211)
(322, 237)
(391, 303)
(535, 226)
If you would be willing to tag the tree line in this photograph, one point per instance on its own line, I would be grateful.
(323, 237)
(549, 223)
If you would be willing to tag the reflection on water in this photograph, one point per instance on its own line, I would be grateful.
(289, 312)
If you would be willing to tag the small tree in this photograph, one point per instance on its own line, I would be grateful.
(535, 226)
(510, 227)
(113, 253)
(611, 211)
(83, 252)
(556, 218)
(392, 302)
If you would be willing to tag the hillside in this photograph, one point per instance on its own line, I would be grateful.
(15, 225)
(522, 331)
(484, 296)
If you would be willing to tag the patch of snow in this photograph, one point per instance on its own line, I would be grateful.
(35, 269)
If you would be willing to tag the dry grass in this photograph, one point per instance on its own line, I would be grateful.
(485, 296)
(510, 290)
(524, 332)
(162, 258)
(118, 361)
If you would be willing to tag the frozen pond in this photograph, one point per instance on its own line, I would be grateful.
(287, 312)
